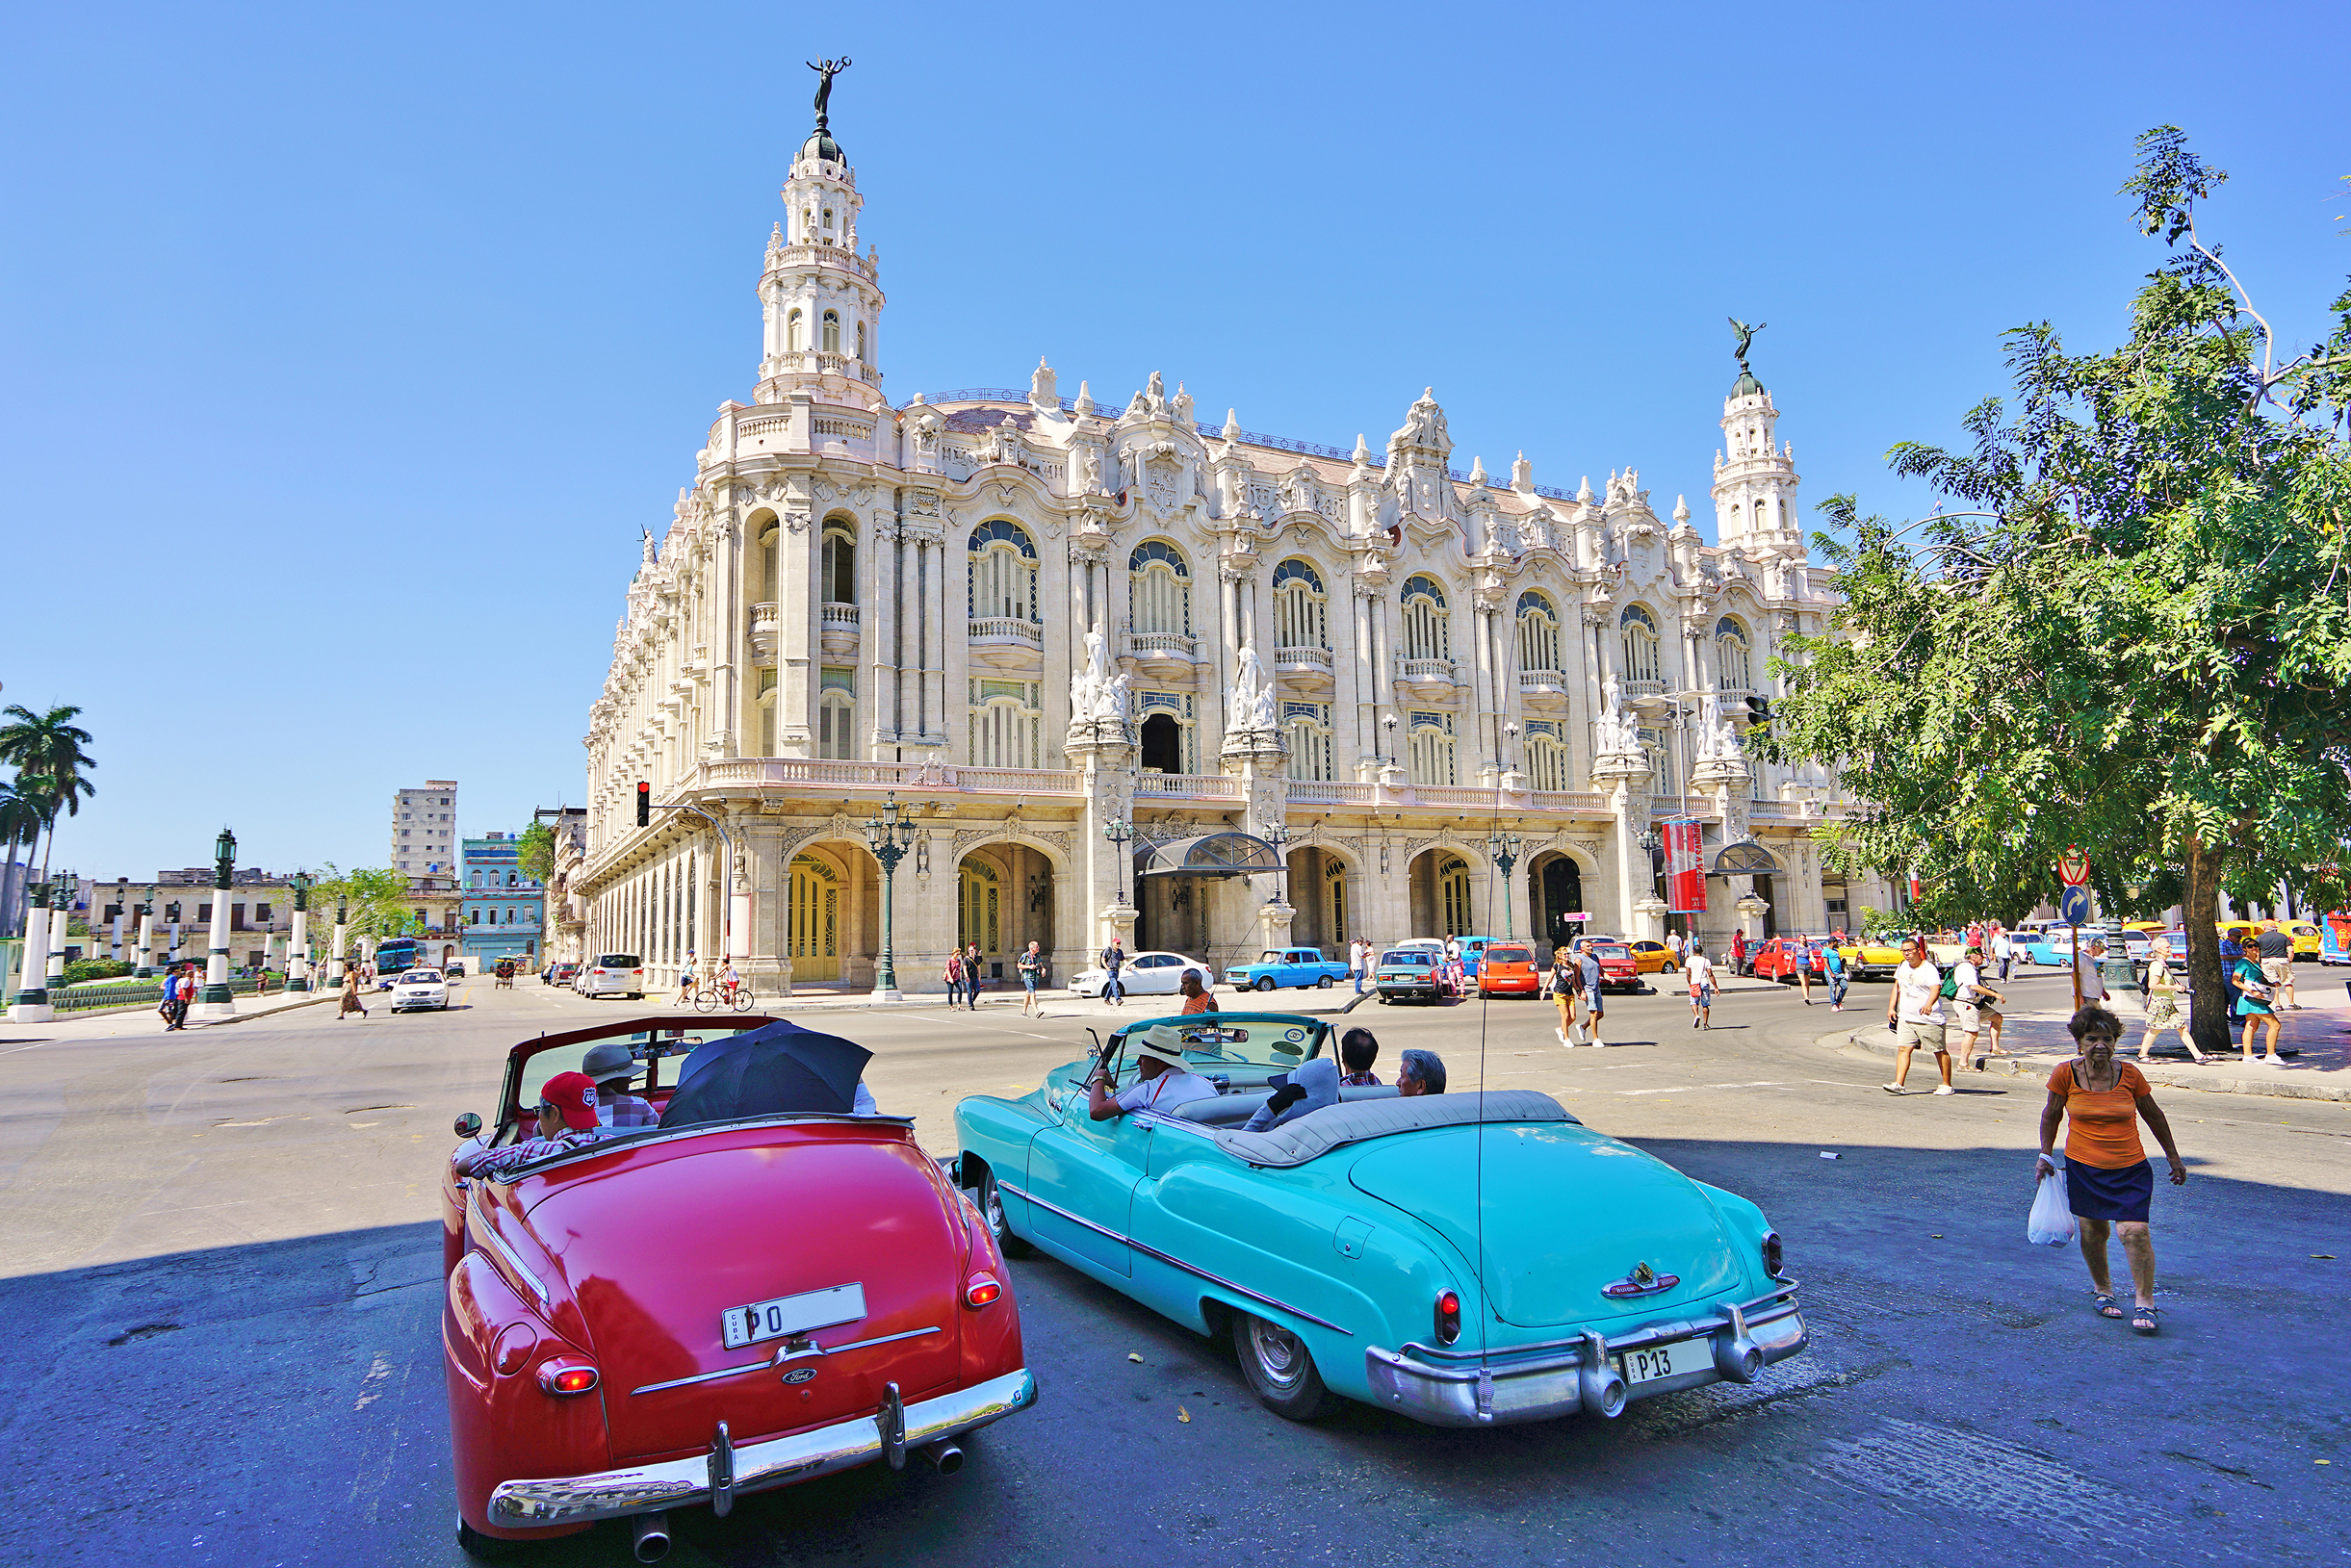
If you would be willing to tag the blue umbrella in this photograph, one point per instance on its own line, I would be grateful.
(775, 1070)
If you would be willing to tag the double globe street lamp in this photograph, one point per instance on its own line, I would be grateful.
(889, 836)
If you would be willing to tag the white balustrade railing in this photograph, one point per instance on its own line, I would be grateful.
(1459, 795)
(1019, 781)
(1328, 792)
(1542, 681)
(1005, 629)
(1188, 785)
(1162, 642)
(835, 614)
(1318, 658)
(1427, 669)
(1569, 800)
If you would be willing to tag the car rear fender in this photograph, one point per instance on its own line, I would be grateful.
(502, 1423)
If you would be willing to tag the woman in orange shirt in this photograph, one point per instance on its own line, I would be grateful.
(2108, 1182)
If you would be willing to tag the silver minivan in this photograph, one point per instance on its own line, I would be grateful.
(612, 974)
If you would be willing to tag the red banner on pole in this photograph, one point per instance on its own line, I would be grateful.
(1684, 868)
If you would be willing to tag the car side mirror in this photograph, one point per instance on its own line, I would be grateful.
(469, 1125)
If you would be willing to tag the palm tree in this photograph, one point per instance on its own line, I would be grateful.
(22, 816)
(46, 750)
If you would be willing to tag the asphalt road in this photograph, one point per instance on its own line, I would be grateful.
(221, 1280)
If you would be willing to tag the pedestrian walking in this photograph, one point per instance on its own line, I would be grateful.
(171, 986)
(953, 975)
(1833, 969)
(2109, 1181)
(1739, 952)
(1975, 1003)
(1114, 960)
(2257, 1003)
(1564, 981)
(1358, 962)
(973, 970)
(2276, 950)
(350, 994)
(2003, 950)
(1807, 954)
(2163, 1004)
(1914, 1012)
(1588, 971)
(2232, 952)
(1677, 947)
(1032, 971)
(1701, 987)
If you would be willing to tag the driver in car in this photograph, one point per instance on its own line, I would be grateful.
(1161, 1084)
(567, 1121)
(612, 1067)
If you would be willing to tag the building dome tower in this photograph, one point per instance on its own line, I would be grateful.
(821, 302)
(1755, 482)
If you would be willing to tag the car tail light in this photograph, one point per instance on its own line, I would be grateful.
(566, 1375)
(1771, 1254)
(980, 1290)
(1448, 1317)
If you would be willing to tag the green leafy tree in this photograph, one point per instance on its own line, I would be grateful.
(536, 856)
(46, 750)
(375, 901)
(2134, 634)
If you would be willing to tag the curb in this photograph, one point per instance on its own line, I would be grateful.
(2284, 1088)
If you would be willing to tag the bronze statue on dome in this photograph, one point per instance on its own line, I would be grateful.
(1745, 333)
(826, 70)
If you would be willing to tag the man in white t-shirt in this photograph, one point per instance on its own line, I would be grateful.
(2004, 949)
(1358, 962)
(1161, 1083)
(1701, 987)
(1914, 1012)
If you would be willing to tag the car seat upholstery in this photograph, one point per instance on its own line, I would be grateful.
(1312, 1136)
(1233, 1110)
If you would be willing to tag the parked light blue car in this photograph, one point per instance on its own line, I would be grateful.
(1465, 1260)
(1301, 968)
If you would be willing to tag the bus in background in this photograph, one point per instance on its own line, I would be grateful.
(396, 956)
(2334, 936)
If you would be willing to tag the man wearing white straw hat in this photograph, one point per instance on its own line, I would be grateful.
(1161, 1084)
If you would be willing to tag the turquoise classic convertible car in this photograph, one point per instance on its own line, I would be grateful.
(1462, 1259)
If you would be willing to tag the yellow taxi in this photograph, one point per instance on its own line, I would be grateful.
(2306, 938)
(1653, 958)
(1873, 958)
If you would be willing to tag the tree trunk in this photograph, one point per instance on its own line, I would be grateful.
(2200, 914)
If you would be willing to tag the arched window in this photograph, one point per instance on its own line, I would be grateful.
(1162, 587)
(861, 342)
(764, 701)
(1302, 609)
(771, 560)
(1431, 743)
(828, 218)
(1547, 757)
(1733, 671)
(832, 333)
(839, 563)
(1306, 726)
(1427, 628)
(833, 725)
(1642, 671)
(1538, 633)
(1003, 571)
(795, 332)
(1004, 727)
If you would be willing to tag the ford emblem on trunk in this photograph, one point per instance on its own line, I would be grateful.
(801, 1374)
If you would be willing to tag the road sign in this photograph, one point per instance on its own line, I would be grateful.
(2074, 908)
(2073, 866)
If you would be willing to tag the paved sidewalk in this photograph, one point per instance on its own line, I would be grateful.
(144, 1020)
(2315, 1041)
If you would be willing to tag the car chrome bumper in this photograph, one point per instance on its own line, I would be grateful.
(1542, 1382)
(573, 1500)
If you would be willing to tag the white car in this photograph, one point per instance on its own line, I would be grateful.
(419, 988)
(612, 974)
(1146, 974)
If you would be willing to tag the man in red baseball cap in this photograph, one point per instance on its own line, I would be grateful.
(567, 1121)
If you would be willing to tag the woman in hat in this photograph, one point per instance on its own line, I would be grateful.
(2108, 1182)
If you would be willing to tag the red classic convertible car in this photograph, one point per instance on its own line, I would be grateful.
(678, 1315)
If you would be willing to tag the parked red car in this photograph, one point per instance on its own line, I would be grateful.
(677, 1315)
(1619, 969)
(1781, 957)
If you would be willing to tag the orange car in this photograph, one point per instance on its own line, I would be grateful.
(1508, 969)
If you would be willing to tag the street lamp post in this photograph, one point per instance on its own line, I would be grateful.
(298, 950)
(61, 915)
(146, 938)
(31, 1003)
(334, 956)
(1278, 834)
(1502, 848)
(215, 999)
(889, 836)
(1117, 829)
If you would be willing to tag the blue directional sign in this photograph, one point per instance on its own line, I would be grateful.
(2074, 908)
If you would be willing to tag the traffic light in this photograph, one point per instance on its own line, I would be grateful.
(644, 804)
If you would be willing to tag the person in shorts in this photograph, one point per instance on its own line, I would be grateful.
(1593, 1009)
(1563, 983)
(1701, 987)
(1976, 1005)
(2277, 955)
(2163, 1004)
(1032, 969)
(1914, 1012)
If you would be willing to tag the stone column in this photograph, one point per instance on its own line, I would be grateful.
(31, 1003)
(215, 1000)
(297, 956)
(1624, 777)
(114, 939)
(145, 970)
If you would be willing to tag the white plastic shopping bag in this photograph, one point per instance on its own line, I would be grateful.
(2051, 1223)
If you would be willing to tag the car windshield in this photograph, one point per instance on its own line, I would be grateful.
(618, 960)
(421, 977)
(1242, 1040)
(1269, 958)
(1610, 950)
(1509, 955)
(1417, 957)
(671, 1044)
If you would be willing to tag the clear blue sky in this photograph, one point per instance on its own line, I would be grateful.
(347, 351)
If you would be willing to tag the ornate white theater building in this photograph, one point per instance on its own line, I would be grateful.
(1032, 618)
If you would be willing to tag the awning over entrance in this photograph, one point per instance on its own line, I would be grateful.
(1210, 855)
(1743, 859)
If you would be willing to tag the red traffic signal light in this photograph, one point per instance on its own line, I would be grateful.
(644, 804)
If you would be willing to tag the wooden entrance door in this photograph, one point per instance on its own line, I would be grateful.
(813, 930)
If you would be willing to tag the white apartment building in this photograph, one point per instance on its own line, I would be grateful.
(425, 839)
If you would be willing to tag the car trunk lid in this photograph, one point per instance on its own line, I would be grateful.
(658, 1249)
(1601, 1210)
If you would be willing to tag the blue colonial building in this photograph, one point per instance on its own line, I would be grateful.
(501, 909)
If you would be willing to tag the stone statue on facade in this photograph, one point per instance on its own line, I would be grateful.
(775, 248)
(1253, 698)
(1089, 472)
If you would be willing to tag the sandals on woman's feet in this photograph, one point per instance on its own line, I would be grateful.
(2104, 1307)
(2142, 1320)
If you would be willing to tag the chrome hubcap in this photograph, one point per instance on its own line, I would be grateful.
(1281, 1358)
